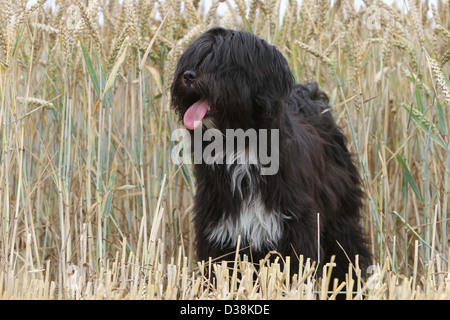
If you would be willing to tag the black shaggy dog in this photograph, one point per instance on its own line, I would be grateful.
(234, 80)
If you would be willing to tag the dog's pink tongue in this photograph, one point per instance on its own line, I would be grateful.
(194, 115)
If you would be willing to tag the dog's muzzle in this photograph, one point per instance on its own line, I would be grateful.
(189, 77)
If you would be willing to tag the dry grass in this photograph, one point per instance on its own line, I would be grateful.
(91, 206)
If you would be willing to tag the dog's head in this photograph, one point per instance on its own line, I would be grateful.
(230, 79)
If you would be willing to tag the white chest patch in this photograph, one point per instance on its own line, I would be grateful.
(257, 227)
(239, 166)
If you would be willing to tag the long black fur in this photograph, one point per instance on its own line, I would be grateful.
(250, 83)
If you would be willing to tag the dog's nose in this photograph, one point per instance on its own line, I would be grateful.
(189, 76)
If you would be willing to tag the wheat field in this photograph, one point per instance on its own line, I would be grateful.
(91, 205)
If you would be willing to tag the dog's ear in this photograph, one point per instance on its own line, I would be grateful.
(266, 110)
(316, 94)
(272, 86)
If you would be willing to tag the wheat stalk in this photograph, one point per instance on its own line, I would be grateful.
(445, 57)
(442, 30)
(411, 53)
(242, 8)
(439, 78)
(132, 19)
(192, 12)
(45, 27)
(416, 78)
(416, 21)
(330, 63)
(254, 4)
(31, 100)
(90, 22)
(3, 42)
(212, 11)
(118, 45)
